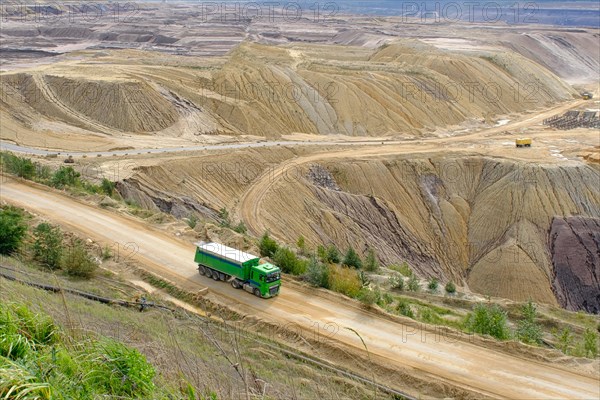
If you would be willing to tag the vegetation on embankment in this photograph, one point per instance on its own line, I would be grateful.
(403, 293)
(39, 361)
(46, 244)
(180, 355)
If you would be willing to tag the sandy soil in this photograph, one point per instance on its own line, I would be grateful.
(492, 142)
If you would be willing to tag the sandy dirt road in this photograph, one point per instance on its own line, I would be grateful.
(404, 347)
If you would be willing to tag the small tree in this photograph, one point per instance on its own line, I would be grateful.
(371, 262)
(267, 246)
(528, 331)
(322, 253)
(301, 244)
(396, 281)
(433, 284)
(564, 340)
(450, 287)
(317, 273)
(333, 254)
(48, 245)
(413, 284)
(286, 259)
(108, 187)
(12, 230)
(590, 343)
(78, 262)
(65, 176)
(488, 320)
(352, 259)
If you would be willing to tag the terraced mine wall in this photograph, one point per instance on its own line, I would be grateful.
(503, 228)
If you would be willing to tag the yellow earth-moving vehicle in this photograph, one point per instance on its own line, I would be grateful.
(523, 142)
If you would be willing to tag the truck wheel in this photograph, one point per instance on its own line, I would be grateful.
(201, 270)
(215, 275)
(221, 276)
(257, 293)
(235, 284)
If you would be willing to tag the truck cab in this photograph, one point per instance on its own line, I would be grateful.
(266, 278)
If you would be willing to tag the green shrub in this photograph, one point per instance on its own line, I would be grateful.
(528, 331)
(89, 187)
(300, 266)
(65, 176)
(364, 279)
(333, 254)
(371, 262)
(433, 284)
(12, 230)
(488, 320)
(386, 299)
(344, 280)
(404, 269)
(590, 343)
(317, 273)
(396, 282)
(78, 262)
(106, 253)
(240, 228)
(368, 296)
(404, 308)
(450, 287)
(43, 173)
(429, 316)
(289, 263)
(329, 254)
(107, 187)
(224, 217)
(267, 246)
(413, 284)
(22, 167)
(192, 220)
(564, 340)
(48, 245)
(322, 253)
(352, 259)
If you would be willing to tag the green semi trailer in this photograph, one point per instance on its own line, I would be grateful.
(243, 270)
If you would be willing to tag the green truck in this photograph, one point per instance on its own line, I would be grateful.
(243, 270)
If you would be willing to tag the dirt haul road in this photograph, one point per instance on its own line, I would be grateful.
(407, 348)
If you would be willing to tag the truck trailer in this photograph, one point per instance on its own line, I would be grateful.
(243, 270)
